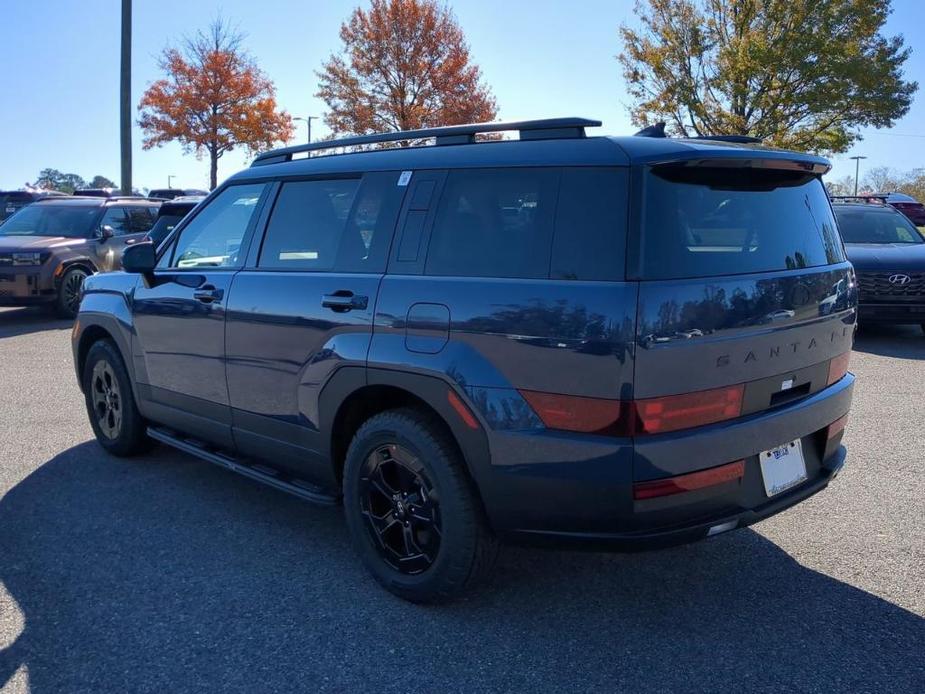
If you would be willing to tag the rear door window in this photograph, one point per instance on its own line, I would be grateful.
(342, 225)
(707, 222)
(494, 223)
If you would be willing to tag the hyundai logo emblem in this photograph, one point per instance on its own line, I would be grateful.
(900, 279)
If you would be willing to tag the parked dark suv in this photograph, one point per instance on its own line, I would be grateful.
(613, 342)
(12, 200)
(50, 247)
(888, 255)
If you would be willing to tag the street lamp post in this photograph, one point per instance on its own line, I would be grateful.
(169, 176)
(857, 168)
(308, 121)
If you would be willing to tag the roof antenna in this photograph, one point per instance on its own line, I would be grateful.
(657, 130)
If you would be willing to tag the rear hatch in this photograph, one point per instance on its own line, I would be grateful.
(745, 299)
(12, 201)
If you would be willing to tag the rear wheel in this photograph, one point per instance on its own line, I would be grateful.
(412, 511)
(68, 301)
(116, 422)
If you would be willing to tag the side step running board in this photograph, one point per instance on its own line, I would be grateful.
(262, 474)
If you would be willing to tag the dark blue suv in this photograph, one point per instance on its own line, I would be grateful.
(612, 342)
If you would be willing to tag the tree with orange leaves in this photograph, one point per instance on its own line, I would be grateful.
(213, 99)
(405, 64)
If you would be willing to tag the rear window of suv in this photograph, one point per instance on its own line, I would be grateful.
(707, 222)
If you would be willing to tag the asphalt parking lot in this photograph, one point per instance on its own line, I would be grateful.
(166, 573)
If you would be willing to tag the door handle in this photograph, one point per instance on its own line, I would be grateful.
(343, 301)
(207, 293)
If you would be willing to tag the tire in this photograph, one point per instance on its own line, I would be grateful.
(114, 416)
(68, 300)
(405, 452)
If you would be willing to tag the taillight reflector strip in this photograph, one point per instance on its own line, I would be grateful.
(836, 427)
(838, 367)
(457, 404)
(658, 415)
(689, 482)
(575, 413)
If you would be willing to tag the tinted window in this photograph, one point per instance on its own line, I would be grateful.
(344, 225)
(162, 227)
(861, 225)
(307, 223)
(51, 220)
(702, 222)
(141, 219)
(494, 223)
(590, 237)
(213, 237)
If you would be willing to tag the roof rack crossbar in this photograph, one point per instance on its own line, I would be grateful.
(546, 128)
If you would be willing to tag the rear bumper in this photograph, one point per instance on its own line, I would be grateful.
(892, 312)
(702, 529)
(552, 488)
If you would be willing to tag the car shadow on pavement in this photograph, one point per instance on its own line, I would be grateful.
(24, 321)
(902, 341)
(165, 573)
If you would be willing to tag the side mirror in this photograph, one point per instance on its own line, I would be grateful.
(139, 258)
(107, 232)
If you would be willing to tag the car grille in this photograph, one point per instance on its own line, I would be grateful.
(6, 259)
(878, 284)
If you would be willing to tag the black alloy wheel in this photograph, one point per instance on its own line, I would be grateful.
(69, 292)
(401, 508)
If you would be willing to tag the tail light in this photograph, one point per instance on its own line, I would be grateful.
(574, 413)
(690, 481)
(658, 415)
(838, 367)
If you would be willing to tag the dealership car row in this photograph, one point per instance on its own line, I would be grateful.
(623, 342)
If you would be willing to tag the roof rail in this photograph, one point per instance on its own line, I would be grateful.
(658, 130)
(547, 128)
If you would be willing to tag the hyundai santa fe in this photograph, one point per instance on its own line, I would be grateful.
(888, 255)
(611, 342)
(48, 248)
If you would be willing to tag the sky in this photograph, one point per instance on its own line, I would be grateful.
(541, 58)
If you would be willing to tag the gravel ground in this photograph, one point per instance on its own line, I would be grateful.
(165, 573)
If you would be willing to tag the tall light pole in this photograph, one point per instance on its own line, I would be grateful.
(308, 120)
(857, 168)
(125, 99)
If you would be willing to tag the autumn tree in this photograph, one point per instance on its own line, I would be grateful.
(213, 99)
(404, 64)
(802, 74)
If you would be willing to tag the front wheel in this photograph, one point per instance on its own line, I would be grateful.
(412, 511)
(116, 421)
(68, 302)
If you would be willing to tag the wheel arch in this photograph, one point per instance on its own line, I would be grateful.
(355, 394)
(69, 264)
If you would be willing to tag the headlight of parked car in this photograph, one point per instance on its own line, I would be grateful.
(28, 258)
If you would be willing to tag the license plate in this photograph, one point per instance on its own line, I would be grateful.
(10, 209)
(783, 468)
